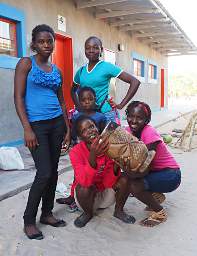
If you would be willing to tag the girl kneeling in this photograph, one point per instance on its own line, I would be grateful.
(163, 174)
(98, 183)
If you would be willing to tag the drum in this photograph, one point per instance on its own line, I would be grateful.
(125, 146)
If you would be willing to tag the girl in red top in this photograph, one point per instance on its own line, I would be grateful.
(98, 183)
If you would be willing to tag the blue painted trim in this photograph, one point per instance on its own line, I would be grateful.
(18, 16)
(8, 62)
(12, 143)
(136, 56)
(152, 62)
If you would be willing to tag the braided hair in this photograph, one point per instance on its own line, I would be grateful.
(145, 108)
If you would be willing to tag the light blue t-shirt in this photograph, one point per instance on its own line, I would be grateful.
(98, 79)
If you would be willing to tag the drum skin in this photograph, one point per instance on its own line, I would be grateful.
(123, 146)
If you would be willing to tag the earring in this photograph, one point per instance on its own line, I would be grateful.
(100, 54)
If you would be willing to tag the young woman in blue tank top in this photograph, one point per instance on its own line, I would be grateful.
(40, 106)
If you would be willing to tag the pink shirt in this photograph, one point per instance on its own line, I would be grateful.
(103, 176)
(163, 158)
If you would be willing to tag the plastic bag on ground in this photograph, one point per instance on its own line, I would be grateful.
(10, 159)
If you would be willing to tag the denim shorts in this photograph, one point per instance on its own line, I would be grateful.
(164, 181)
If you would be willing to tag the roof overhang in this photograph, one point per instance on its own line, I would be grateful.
(147, 20)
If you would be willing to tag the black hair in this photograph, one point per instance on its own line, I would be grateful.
(145, 107)
(80, 120)
(96, 38)
(41, 28)
(86, 89)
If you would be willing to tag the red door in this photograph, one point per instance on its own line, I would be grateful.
(63, 58)
(162, 103)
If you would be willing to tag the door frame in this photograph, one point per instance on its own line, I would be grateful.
(68, 68)
(162, 99)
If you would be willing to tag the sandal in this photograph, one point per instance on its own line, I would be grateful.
(72, 207)
(36, 236)
(65, 200)
(159, 197)
(154, 219)
(56, 224)
(82, 220)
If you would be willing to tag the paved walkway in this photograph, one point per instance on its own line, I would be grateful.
(13, 182)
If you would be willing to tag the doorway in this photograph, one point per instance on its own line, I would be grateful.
(63, 58)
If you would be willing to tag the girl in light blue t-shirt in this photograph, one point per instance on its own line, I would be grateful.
(97, 75)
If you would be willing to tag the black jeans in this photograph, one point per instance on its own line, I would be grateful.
(50, 134)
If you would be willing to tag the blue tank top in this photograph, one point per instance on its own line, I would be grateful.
(41, 99)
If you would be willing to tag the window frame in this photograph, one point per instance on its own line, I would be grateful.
(154, 66)
(140, 67)
(15, 33)
(140, 59)
(16, 16)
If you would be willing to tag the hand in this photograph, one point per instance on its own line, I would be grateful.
(66, 141)
(30, 139)
(112, 103)
(100, 145)
(119, 106)
(125, 164)
(126, 167)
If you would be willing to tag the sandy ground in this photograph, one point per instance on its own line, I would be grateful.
(106, 235)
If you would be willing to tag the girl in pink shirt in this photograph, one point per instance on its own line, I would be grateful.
(163, 174)
(98, 183)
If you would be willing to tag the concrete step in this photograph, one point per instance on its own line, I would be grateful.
(16, 181)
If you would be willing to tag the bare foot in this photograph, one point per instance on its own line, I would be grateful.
(82, 220)
(124, 217)
(32, 232)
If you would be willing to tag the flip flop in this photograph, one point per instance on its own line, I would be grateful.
(36, 236)
(59, 223)
(65, 200)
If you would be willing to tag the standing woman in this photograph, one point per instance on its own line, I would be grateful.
(97, 74)
(40, 106)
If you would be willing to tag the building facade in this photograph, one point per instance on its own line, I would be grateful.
(73, 23)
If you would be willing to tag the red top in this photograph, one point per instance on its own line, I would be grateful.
(103, 176)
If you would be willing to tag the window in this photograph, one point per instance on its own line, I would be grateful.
(152, 71)
(138, 67)
(12, 36)
(8, 44)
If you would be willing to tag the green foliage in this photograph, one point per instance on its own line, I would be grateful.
(182, 85)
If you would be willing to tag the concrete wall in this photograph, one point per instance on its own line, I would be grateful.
(80, 25)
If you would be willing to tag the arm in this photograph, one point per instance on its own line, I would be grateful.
(116, 169)
(64, 110)
(73, 91)
(136, 174)
(153, 146)
(134, 85)
(22, 69)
